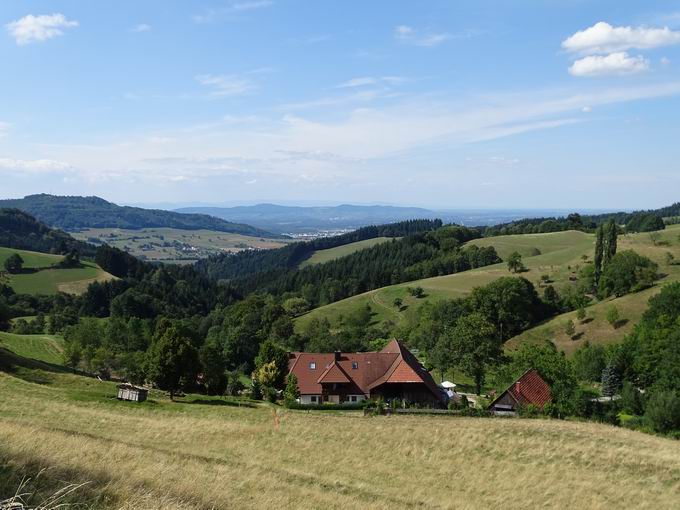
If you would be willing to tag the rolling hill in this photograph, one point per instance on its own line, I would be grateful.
(74, 213)
(64, 430)
(41, 277)
(560, 255)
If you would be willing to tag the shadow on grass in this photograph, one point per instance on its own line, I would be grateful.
(30, 370)
(218, 402)
(587, 320)
(621, 323)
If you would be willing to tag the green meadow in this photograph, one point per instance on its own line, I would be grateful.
(321, 256)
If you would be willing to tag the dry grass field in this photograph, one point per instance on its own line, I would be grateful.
(59, 429)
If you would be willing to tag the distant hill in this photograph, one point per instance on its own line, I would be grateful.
(73, 213)
(281, 218)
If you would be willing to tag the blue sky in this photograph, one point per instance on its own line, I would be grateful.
(479, 104)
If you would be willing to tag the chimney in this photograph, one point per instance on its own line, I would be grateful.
(518, 387)
(337, 355)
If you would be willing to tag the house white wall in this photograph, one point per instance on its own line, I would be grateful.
(307, 399)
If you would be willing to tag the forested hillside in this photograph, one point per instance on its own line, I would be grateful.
(73, 213)
(21, 231)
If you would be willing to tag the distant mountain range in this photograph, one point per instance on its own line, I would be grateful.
(291, 219)
(75, 213)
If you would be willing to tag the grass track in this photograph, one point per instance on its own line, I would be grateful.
(190, 456)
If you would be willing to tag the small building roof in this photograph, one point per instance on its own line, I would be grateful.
(530, 388)
(448, 385)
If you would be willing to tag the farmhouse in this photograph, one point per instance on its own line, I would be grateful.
(128, 391)
(341, 377)
(529, 389)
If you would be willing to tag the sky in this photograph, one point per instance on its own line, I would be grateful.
(441, 103)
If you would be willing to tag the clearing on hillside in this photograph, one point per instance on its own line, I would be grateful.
(163, 455)
(41, 277)
(321, 256)
(47, 348)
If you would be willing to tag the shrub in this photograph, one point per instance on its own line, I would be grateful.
(663, 411)
(631, 399)
(627, 272)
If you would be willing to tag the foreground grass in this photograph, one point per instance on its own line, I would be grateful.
(70, 429)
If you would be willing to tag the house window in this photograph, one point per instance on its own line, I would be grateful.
(313, 399)
(312, 365)
(355, 365)
(352, 398)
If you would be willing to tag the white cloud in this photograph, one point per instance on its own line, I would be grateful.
(142, 27)
(211, 15)
(226, 85)
(38, 28)
(35, 166)
(605, 38)
(586, 109)
(368, 80)
(619, 63)
(410, 35)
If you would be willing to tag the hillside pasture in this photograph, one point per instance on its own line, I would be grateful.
(46, 348)
(41, 277)
(595, 329)
(192, 455)
(559, 252)
(321, 256)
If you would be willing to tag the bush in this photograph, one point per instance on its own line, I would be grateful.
(663, 411)
(631, 399)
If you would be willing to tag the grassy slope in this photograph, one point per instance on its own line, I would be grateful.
(558, 250)
(596, 329)
(47, 348)
(50, 281)
(321, 256)
(185, 455)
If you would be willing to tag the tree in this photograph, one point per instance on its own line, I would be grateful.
(14, 263)
(398, 302)
(515, 264)
(589, 361)
(292, 393)
(654, 237)
(627, 272)
(213, 366)
(611, 234)
(610, 381)
(663, 411)
(613, 316)
(569, 329)
(670, 258)
(476, 347)
(172, 360)
(296, 306)
(581, 314)
(270, 352)
(551, 297)
(599, 254)
(631, 399)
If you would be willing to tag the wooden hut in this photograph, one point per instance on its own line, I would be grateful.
(131, 392)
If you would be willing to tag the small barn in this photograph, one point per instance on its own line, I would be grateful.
(131, 392)
(529, 389)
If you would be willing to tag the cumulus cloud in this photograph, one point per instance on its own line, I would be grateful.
(410, 35)
(605, 38)
(38, 28)
(619, 63)
(34, 166)
(226, 85)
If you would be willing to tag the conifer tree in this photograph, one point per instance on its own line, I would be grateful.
(599, 242)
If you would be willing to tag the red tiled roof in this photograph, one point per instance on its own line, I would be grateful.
(333, 374)
(529, 389)
(394, 364)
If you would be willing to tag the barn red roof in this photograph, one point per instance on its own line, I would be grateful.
(530, 388)
(366, 370)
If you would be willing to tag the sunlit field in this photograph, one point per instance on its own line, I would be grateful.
(59, 429)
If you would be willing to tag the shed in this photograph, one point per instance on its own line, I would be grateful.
(131, 392)
(529, 389)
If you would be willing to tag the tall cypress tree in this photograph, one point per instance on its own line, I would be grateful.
(611, 241)
(599, 250)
